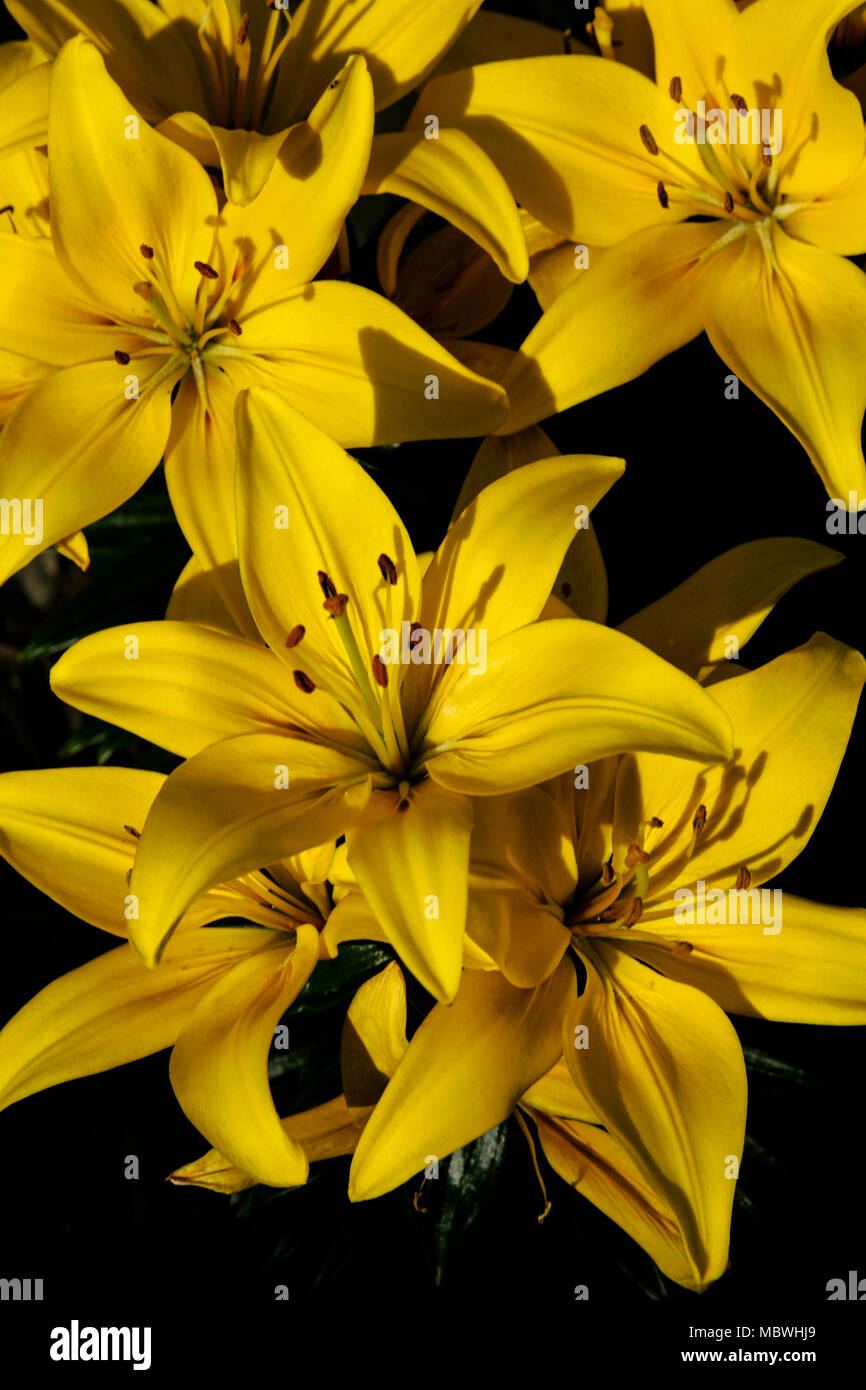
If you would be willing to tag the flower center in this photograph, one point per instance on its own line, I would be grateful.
(241, 58)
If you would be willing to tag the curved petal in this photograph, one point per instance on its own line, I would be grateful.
(560, 693)
(77, 447)
(373, 1040)
(24, 111)
(326, 1131)
(396, 383)
(412, 869)
(664, 1069)
(219, 1065)
(526, 940)
(791, 721)
(795, 331)
(689, 43)
(808, 967)
(68, 831)
(195, 598)
(115, 184)
(642, 300)
(184, 687)
(113, 1010)
(238, 805)
(837, 221)
(729, 597)
(463, 1072)
(453, 177)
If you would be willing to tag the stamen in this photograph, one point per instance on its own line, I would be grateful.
(633, 914)
(336, 606)
(635, 855)
(648, 139)
(327, 585)
(380, 672)
(663, 195)
(528, 1137)
(744, 879)
(387, 569)
(766, 156)
(234, 327)
(656, 824)
(295, 635)
(244, 30)
(729, 203)
(740, 102)
(206, 270)
(700, 819)
(146, 251)
(9, 209)
(415, 634)
(144, 289)
(683, 948)
(121, 357)
(131, 830)
(303, 682)
(676, 89)
(607, 874)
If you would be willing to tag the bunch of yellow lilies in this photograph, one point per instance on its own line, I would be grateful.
(562, 830)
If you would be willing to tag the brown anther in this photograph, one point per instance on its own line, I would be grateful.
(206, 270)
(648, 139)
(380, 672)
(234, 327)
(700, 819)
(656, 824)
(295, 635)
(610, 914)
(144, 289)
(303, 682)
(327, 585)
(128, 877)
(387, 569)
(565, 589)
(131, 830)
(607, 873)
(676, 89)
(635, 855)
(336, 605)
(729, 202)
(766, 157)
(146, 251)
(335, 83)
(244, 29)
(744, 878)
(740, 102)
(663, 195)
(415, 631)
(683, 948)
(121, 357)
(635, 908)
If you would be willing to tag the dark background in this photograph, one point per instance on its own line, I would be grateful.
(703, 474)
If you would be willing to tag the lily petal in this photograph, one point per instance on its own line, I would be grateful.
(374, 1040)
(463, 1072)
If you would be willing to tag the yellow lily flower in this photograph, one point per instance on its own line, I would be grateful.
(597, 877)
(348, 722)
(219, 993)
(23, 167)
(744, 128)
(183, 294)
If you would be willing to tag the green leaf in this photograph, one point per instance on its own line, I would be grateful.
(468, 1175)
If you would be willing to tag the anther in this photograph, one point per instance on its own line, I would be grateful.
(295, 635)
(683, 948)
(635, 855)
(766, 157)
(676, 89)
(303, 682)
(565, 589)
(663, 195)
(656, 824)
(607, 873)
(744, 878)
(327, 585)
(206, 270)
(121, 357)
(234, 327)
(146, 251)
(131, 830)
(144, 289)
(635, 908)
(648, 139)
(380, 672)
(740, 102)
(387, 569)
(336, 605)
(415, 634)
(244, 29)
(729, 202)
(700, 819)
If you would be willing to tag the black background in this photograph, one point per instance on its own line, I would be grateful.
(703, 474)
